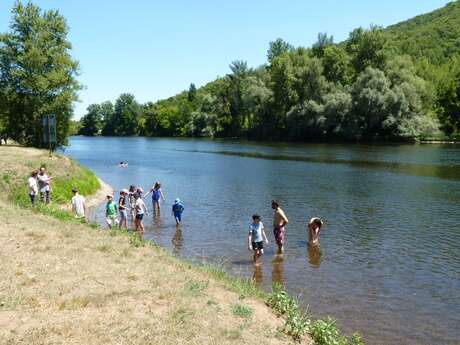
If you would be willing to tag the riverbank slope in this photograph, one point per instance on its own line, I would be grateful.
(70, 283)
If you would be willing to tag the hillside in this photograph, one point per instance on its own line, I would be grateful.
(399, 84)
(434, 35)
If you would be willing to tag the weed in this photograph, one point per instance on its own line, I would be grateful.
(241, 311)
(105, 248)
(196, 288)
(136, 241)
(281, 302)
(211, 302)
(182, 315)
(232, 334)
(297, 322)
(325, 332)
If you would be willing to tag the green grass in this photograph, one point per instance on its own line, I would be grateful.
(196, 288)
(82, 178)
(297, 323)
(241, 311)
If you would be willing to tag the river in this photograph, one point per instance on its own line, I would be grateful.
(389, 262)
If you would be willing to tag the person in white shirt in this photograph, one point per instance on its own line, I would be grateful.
(78, 204)
(44, 185)
(141, 209)
(33, 186)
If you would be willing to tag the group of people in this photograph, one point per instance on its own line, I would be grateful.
(257, 235)
(39, 183)
(132, 200)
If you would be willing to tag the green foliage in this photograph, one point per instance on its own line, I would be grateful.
(277, 48)
(37, 75)
(91, 123)
(375, 86)
(297, 322)
(196, 288)
(434, 36)
(241, 311)
(325, 332)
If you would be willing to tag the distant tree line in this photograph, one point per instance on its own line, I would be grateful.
(362, 89)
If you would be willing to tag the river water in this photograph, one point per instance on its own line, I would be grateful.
(389, 262)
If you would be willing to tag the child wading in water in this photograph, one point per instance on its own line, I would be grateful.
(256, 237)
(141, 209)
(157, 194)
(314, 228)
(177, 209)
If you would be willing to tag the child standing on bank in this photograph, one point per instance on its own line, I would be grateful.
(111, 209)
(177, 209)
(256, 237)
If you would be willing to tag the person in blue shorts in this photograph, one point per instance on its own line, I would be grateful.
(177, 209)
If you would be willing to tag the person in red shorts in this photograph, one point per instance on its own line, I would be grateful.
(279, 222)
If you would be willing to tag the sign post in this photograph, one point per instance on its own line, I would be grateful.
(49, 131)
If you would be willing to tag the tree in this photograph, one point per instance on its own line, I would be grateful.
(277, 48)
(337, 65)
(322, 43)
(91, 123)
(126, 115)
(367, 48)
(37, 74)
(191, 93)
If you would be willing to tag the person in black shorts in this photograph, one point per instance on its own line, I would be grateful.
(256, 237)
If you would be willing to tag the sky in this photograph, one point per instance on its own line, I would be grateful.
(155, 49)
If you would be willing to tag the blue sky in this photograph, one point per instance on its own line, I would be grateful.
(155, 49)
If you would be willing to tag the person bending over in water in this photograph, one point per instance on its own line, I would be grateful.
(157, 194)
(279, 222)
(177, 209)
(314, 228)
(256, 237)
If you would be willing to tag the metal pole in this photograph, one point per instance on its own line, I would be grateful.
(49, 132)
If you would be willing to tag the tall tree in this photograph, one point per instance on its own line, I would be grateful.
(191, 93)
(37, 74)
(277, 48)
(91, 123)
(322, 43)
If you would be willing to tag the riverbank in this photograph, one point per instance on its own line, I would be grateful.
(69, 283)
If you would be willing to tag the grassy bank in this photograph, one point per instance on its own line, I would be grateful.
(71, 283)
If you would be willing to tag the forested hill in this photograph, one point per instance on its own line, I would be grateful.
(435, 35)
(398, 83)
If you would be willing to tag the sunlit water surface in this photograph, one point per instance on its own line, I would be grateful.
(389, 263)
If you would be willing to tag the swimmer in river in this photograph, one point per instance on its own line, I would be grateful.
(123, 164)
(314, 228)
(279, 222)
(256, 237)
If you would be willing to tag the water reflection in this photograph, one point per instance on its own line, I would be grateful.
(440, 171)
(278, 270)
(258, 276)
(314, 256)
(177, 241)
(157, 221)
